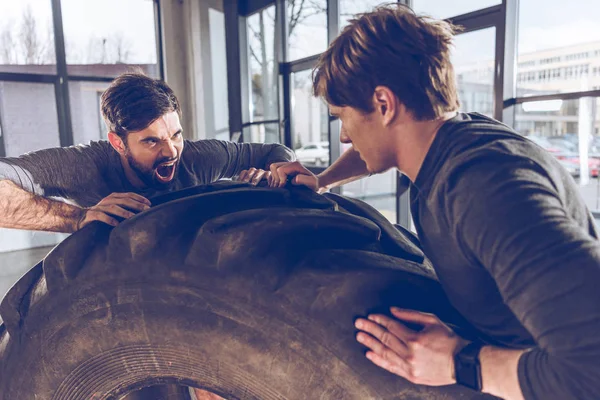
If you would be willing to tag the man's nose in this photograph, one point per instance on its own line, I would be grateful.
(169, 150)
(343, 137)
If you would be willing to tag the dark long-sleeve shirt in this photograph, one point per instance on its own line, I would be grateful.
(85, 174)
(516, 250)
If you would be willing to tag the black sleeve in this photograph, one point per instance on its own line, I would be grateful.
(511, 220)
(58, 172)
(222, 159)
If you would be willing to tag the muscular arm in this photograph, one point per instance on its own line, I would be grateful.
(23, 210)
(348, 168)
(547, 268)
(218, 159)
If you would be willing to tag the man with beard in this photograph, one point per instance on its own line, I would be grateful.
(145, 156)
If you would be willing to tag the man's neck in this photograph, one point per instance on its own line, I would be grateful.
(131, 176)
(413, 144)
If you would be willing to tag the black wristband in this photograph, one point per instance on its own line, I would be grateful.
(467, 367)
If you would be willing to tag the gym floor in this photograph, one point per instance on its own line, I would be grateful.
(15, 263)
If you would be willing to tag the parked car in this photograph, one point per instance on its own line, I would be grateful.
(316, 154)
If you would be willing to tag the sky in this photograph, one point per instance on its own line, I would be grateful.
(85, 19)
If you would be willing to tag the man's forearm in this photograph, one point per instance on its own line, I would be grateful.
(349, 167)
(499, 372)
(23, 210)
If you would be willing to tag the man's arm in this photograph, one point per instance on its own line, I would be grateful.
(23, 210)
(27, 182)
(547, 269)
(218, 159)
(348, 168)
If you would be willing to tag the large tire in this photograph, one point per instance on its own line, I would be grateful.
(247, 292)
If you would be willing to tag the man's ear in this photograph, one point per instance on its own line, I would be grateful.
(117, 143)
(386, 104)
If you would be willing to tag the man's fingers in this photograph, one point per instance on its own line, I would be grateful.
(306, 180)
(115, 210)
(401, 368)
(243, 176)
(400, 330)
(281, 171)
(107, 219)
(130, 195)
(130, 204)
(416, 317)
(383, 336)
(93, 215)
(258, 176)
(279, 177)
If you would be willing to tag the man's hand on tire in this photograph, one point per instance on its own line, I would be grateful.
(113, 206)
(295, 170)
(253, 176)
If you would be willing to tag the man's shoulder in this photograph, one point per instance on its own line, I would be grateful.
(476, 138)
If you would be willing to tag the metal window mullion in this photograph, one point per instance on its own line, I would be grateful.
(159, 39)
(234, 82)
(2, 148)
(285, 81)
(509, 90)
(499, 62)
(61, 86)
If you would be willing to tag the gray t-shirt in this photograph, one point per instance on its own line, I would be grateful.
(516, 251)
(85, 174)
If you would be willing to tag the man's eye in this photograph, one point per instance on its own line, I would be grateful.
(151, 141)
(177, 135)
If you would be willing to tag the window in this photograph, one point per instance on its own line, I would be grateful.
(102, 42)
(473, 59)
(263, 68)
(261, 133)
(377, 190)
(310, 121)
(550, 31)
(39, 129)
(307, 28)
(447, 9)
(349, 8)
(218, 79)
(88, 124)
(27, 37)
(559, 126)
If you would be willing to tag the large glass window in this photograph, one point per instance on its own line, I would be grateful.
(27, 37)
(559, 47)
(446, 9)
(262, 64)
(568, 129)
(218, 81)
(29, 117)
(310, 122)
(379, 190)
(349, 8)
(559, 52)
(101, 41)
(262, 133)
(473, 60)
(307, 28)
(87, 122)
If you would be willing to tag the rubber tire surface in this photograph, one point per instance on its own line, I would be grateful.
(250, 293)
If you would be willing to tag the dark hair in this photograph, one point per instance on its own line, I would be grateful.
(392, 47)
(133, 101)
